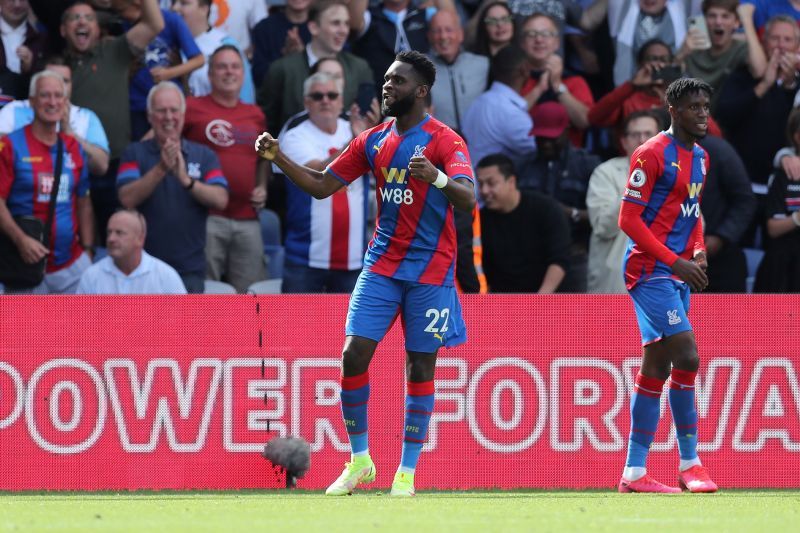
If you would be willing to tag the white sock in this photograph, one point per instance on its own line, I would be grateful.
(406, 470)
(686, 464)
(632, 473)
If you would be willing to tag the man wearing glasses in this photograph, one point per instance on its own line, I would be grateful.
(319, 256)
(549, 80)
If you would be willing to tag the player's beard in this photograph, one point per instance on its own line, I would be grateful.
(399, 107)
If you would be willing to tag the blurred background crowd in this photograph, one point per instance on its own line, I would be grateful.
(160, 102)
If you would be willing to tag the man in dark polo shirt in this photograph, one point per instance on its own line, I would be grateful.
(525, 233)
(173, 183)
(100, 70)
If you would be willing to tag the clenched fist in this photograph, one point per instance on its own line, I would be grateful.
(267, 146)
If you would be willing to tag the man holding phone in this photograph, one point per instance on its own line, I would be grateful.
(711, 53)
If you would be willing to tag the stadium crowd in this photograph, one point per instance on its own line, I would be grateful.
(158, 105)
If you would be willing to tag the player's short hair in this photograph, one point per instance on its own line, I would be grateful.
(727, 5)
(321, 6)
(793, 126)
(321, 77)
(422, 66)
(683, 86)
(506, 62)
(162, 86)
(640, 55)
(45, 74)
(221, 49)
(644, 113)
(501, 161)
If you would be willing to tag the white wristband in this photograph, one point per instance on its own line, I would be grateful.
(794, 219)
(441, 180)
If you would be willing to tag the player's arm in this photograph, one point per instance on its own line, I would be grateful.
(458, 191)
(317, 183)
(630, 221)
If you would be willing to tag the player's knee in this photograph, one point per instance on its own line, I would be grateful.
(421, 368)
(355, 359)
(685, 356)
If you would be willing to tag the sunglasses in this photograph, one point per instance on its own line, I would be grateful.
(317, 97)
(492, 21)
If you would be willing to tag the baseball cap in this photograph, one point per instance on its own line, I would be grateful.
(550, 119)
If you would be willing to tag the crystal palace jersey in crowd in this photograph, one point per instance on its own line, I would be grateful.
(666, 177)
(415, 237)
(26, 183)
(330, 233)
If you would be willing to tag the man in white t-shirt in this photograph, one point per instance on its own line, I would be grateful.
(80, 122)
(320, 255)
(128, 269)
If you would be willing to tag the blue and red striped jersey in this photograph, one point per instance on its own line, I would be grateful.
(26, 183)
(666, 180)
(415, 236)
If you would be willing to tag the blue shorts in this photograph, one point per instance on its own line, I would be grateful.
(661, 306)
(431, 314)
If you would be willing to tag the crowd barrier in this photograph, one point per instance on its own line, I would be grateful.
(182, 392)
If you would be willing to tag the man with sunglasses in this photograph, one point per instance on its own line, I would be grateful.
(422, 172)
(319, 259)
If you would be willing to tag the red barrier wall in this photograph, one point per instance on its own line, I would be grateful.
(168, 392)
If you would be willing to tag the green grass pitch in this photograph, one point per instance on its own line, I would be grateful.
(299, 511)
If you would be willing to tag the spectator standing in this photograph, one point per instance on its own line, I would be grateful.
(715, 63)
(100, 82)
(495, 29)
(548, 80)
(387, 28)
(173, 182)
(22, 47)
(28, 158)
(128, 269)
(497, 122)
(321, 256)
(79, 122)
(230, 127)
(746, 104)
(639, 21)
(161, 60)
(281, 94)
(195, 14)
(525, 234)
(462, 75)
(607, 243)
(284, 32)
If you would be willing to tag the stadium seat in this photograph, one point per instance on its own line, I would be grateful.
(269, 286)
(218, 287)
(753, 256)
(271, 235)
